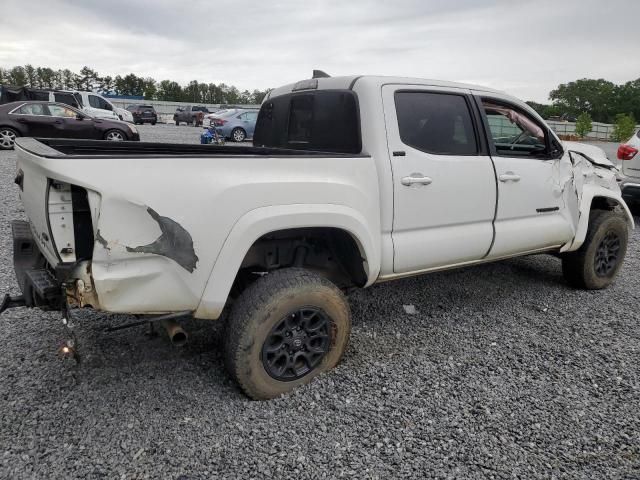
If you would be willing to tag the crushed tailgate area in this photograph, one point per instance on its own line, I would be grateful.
(496, 371)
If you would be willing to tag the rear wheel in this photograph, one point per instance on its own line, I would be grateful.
(285, 329)
(7, 138)
(153, 123)
(238, 134)
(115, 135)
(596, 263)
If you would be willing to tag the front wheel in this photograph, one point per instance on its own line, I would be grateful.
(7, 138)
(596, 263)
(238, 135)
(285, 329)
(115, 136)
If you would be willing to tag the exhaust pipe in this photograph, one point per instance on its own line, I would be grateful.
(176, 334)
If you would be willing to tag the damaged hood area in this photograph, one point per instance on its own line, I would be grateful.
(592, 153)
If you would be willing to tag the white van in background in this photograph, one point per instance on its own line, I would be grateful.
(92, 104)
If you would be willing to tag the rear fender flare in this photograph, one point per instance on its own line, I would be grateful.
(261, 221)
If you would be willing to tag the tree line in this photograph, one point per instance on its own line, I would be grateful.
(601, 99)
(89, 80)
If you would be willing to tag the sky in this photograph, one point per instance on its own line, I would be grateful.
(526, 48)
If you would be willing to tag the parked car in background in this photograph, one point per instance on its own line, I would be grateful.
(93, 104)
(143, 114)
(630, 167)
(237, 125)
(191, 115)
(56, 120)
(213, 115)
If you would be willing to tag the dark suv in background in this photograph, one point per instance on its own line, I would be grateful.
(143, 114)
(191, 115)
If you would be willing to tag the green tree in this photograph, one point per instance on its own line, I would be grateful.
(544, 110)
(583, 124)
(88, 79)
(597, 97)
(31, 77)
(169, 90)
(149, 88)
(628, 98)
(46, 77)
(17, 77)
(623, 127)
(105, 85)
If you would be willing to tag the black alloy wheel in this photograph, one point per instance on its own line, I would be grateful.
(297, 344)
(606, 257)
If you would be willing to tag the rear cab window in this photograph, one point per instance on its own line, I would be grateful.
(324, 120)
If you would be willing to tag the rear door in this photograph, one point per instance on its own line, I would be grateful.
(249, 122)
(444, 184)
(36, 120)
(530, 201)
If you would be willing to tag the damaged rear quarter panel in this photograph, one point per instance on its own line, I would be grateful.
(135, 267)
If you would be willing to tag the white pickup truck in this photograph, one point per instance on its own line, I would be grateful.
(351, 181)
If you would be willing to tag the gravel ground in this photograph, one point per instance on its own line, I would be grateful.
(502, 372)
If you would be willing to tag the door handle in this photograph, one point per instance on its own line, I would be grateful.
(509, 177)
(415, 180)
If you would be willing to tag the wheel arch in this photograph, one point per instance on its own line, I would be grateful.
(596, 198)
(283, 220)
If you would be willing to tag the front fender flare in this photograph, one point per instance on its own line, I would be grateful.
(590, 192)
(261, 221)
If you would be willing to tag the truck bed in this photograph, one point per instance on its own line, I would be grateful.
(56, 148)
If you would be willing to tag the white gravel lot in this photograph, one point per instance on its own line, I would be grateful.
(503, 372)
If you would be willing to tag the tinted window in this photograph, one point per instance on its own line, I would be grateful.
(513, 131)
(66, 98)
(99, 102)
(325, 120)
(436, 123)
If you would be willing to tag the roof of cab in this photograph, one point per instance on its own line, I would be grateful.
(348, 82)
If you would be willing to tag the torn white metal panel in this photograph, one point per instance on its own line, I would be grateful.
(584, 173)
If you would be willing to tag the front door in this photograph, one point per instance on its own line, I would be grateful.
(70, 125)
(444, 185)
(530, 192)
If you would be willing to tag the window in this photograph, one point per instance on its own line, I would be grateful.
(251, 116)
(32, 109)
(514, 133)
(436, 123)
(99, 102)
(300, 119)
(60, 111)
(325, 120)
(66, 98)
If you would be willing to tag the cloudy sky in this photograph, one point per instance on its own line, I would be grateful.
(524, 47)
